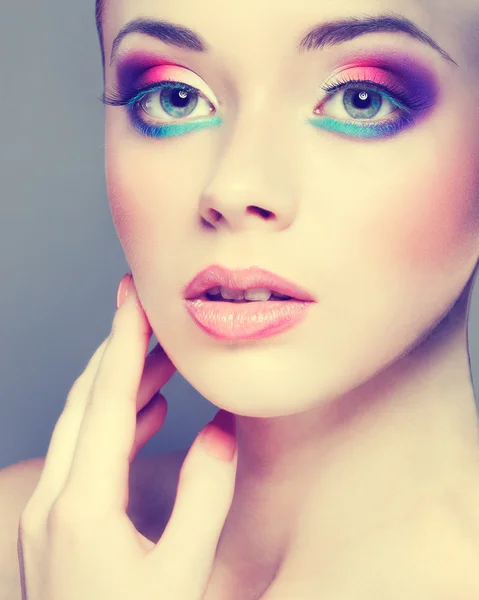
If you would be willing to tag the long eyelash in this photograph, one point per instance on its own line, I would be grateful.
(117, 98)
(409, 102)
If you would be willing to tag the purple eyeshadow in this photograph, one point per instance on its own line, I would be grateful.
(419, 79)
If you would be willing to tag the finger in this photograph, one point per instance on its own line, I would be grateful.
(63, 441)
(148, 422)
(157, 371)
(204, 496)
(99, 474)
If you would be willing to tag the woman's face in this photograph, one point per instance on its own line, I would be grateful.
(378, 219)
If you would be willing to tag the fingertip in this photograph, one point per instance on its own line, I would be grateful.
(133, 297)
(123, 290)
(219, 436)
(225, 420)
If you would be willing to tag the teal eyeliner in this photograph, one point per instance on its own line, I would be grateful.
(367, 129)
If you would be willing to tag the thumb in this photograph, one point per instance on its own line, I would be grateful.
(187, 548)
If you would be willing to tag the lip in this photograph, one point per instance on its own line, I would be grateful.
(243, 279)
(246, 321)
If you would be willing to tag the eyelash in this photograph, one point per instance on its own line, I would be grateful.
(132, 103)
(394, 93)
(407, 104)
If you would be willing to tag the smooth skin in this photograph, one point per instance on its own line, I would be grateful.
(75, 539)
(358, 449)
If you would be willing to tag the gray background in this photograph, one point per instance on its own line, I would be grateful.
(60, 258)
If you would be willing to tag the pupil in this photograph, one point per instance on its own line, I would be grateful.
(178, 102)
(363, 100)
(183, 98)
(362, 104)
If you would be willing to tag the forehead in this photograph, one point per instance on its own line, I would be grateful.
(240, 28)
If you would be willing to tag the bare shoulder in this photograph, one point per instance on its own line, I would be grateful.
(17, 483)
(152, 491)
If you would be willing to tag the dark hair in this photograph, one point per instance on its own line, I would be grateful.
(99, 14)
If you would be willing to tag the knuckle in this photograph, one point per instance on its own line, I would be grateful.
(114, 327)
(82, 383)
(65, 514)
(79, 388)
(29, 523)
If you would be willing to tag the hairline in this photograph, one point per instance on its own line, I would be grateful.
(99, 14)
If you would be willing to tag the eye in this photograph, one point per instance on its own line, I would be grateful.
(367, 102)
(359, 102)
(175, 100)
(175, 108)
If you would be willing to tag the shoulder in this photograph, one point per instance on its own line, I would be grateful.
(152, 491)
(17, 483)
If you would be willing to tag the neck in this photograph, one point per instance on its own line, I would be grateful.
(317, 483)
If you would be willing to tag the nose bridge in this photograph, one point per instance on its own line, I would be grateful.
(250, 182)
(253, 145)
(249, 185)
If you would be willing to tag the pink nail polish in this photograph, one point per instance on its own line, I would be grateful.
(219, 436)
(122, 292)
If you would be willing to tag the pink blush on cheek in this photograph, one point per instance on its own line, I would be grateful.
(440, 228)
(435, 226)
(140, 202)
(121, 218)
(122, 199)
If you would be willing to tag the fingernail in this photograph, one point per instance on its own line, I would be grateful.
(122, 292)
(219, 436)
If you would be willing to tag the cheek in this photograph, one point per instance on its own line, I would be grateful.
(430, 221)
(142, 200)
(439, 229)
(442, 228)
(151, 185)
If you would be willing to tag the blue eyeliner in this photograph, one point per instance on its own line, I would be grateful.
(173, 129)
(362, 128)
(132, 103)
(351, 129)
(367, 128)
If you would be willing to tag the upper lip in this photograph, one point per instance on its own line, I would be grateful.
(243, 279)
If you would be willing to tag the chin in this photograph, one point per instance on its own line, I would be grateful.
(273, 387)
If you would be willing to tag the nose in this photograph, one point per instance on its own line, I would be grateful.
(251, 186)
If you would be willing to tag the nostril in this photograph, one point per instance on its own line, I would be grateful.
(263, 212)
(210, 224)
(216, 216)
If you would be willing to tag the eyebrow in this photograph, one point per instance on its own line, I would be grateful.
(330, 33)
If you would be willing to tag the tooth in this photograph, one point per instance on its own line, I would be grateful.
(215, 291)
(252, 295)
(228, 294)
(258, 294)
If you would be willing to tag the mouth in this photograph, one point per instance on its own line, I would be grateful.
(217, 294)
(216, 284)
(274, 311)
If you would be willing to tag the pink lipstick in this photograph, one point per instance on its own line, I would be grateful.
(217, 301)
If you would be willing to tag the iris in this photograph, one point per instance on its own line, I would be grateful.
(362, 99)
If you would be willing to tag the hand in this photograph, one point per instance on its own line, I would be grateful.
(76, 541)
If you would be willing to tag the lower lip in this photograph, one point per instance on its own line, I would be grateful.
(246, 320)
